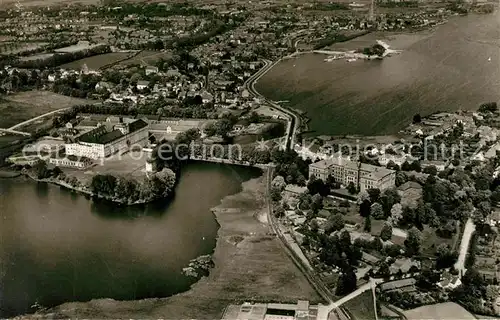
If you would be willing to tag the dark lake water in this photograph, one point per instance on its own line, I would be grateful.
(455, 67)
(57, 246)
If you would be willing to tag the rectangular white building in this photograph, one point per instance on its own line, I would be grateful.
(364, 176)
(103, 141)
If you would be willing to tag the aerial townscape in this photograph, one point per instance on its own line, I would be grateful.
(251, 160)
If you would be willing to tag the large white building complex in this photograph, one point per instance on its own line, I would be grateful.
(272, 311)
(106, 140)
(364, 176)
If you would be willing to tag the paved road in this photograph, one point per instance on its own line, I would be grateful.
(15, 132)
(37, 118)
(469, 229)
(310, 275)
(324, 311)
(294, 120)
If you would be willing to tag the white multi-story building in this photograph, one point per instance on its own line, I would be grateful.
(104, 141)
(364, 176)
(71, 162)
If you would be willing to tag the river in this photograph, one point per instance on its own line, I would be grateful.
(57, 246)
(455, 67)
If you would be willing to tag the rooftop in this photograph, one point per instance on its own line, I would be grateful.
(102, 135)
(369, 171)
(398, 284)
(295, 189)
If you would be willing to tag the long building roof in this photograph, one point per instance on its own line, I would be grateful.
(101, 135)
(370, 171)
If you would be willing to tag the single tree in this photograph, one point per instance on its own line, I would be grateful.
(413, 242)
(351, 187)
(386, 232)
(377, 211)
(368, 224)
(347, 282)
(417, 118)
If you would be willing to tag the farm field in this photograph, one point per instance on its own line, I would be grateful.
(146, 58)
(17, 47)
(98, 61)
(8, 139)
(362, 306)
(26, 105)
(442, 311)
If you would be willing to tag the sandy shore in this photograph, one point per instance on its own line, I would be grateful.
(249, 265)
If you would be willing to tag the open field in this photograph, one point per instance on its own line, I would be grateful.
(362, 306)
(8, 139)
(249, 265)
(18, 47)
(44, 3)
(47, 99)
(442, 311)
(10, 144)
(146, 58)
(14, 112)
(98, 61)
(130, 163)
(268, 111)
(26, 105)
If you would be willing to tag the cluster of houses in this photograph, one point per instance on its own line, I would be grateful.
(478, 141)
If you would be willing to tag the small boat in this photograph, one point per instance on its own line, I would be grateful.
(489, 59)
(352, 60)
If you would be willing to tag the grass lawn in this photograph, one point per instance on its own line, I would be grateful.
(131, 163)
(353, 217)
(7, 139)
(430, 241)
(362, 306)
(13, 112)
(146, 58)
(26, 105)
(98, 61)
(443, 311)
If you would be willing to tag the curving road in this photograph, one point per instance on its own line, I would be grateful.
(37, 118)
(15, 132)
(318, 285)
(293, 119)
(292, 128)
(310, 275)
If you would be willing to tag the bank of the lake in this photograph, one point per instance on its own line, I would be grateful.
(58, 246)
(250, 264)
(453, 67)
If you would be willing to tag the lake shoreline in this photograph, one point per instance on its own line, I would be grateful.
(81, 191)
(243, 234)
(380, 97)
